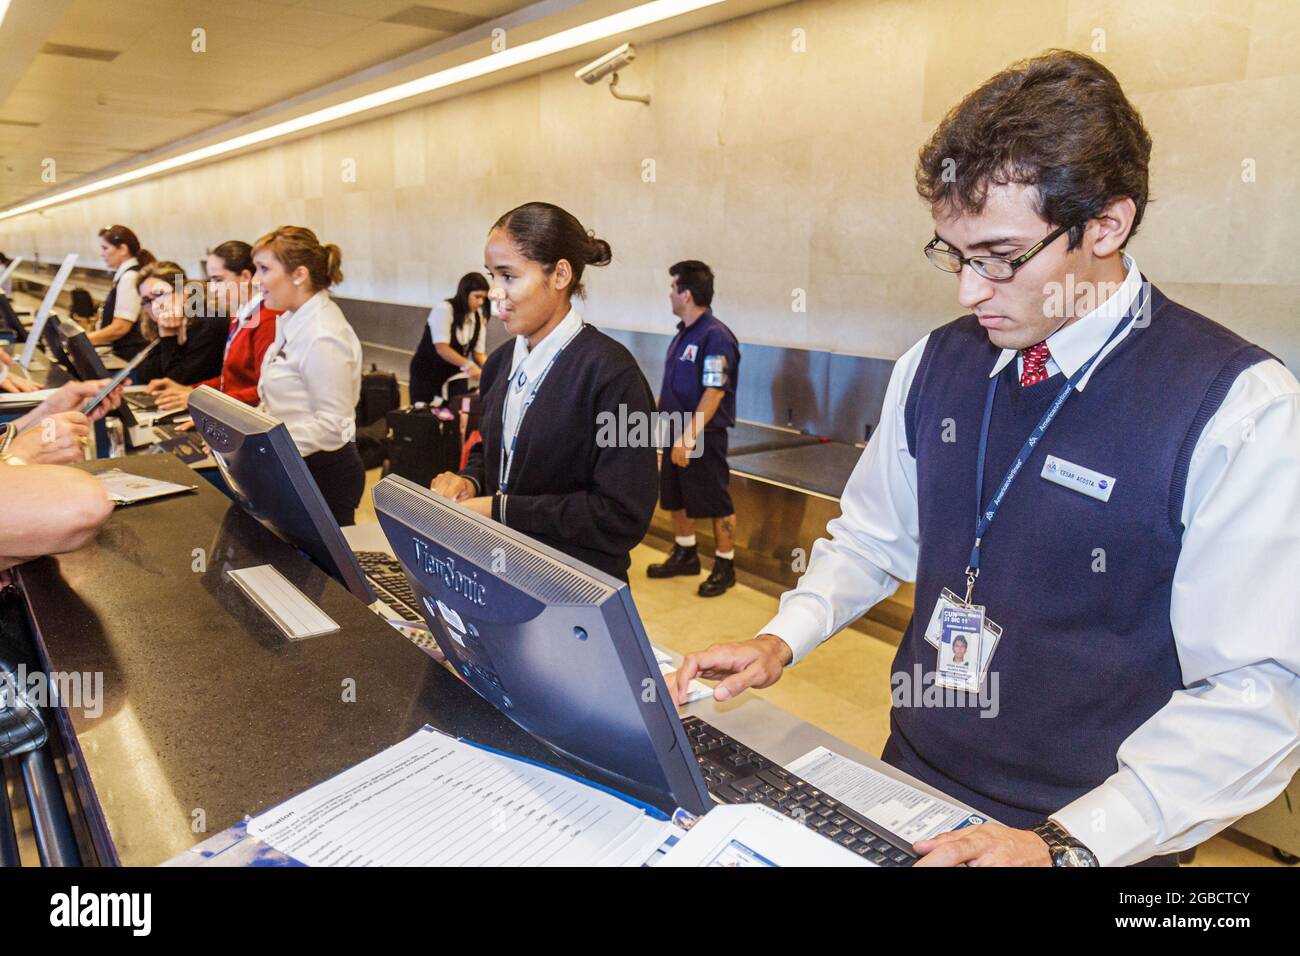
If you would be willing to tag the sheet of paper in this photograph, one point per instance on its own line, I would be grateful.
(435, 801)
(751, 834)
(898, 807)
(25, 398)
(127, 489)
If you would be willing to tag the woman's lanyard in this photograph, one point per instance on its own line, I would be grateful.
(984, 516)
(518, 380)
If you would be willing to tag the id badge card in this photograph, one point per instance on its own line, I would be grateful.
(989, 638)
(961, 636)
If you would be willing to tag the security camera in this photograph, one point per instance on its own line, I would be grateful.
(597, 70)
(609, 65)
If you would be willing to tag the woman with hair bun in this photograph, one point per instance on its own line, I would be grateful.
(311, 376)
(119, 323)
(549, 464)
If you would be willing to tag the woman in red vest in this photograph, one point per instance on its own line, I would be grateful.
(252, 330)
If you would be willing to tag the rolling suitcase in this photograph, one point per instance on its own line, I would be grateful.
(379, 396)
(424, 443)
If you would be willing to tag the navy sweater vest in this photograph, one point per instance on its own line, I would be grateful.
(1081, 587)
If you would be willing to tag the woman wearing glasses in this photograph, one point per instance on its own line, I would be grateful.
(174, 311)
(549, 464)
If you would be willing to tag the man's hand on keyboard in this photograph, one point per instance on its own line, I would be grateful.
(740, 666)
(988, 844)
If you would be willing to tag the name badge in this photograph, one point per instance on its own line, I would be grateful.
(1077, 478)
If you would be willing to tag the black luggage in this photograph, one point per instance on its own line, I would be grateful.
(372, 444)
(424, 442)
(379, 396)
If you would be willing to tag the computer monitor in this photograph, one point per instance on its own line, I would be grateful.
(557, 646)
(75, 353)
(265, 472)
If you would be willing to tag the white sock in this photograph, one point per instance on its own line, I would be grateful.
(725, 555)
(686, 540)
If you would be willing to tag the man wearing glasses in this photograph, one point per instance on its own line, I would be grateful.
(1105, 482)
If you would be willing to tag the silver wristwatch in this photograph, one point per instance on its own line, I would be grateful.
(1064, 849)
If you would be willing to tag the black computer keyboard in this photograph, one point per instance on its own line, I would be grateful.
(387, 578)
(142, 401)
(736, 774)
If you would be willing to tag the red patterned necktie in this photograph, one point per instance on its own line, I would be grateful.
(1033, 367)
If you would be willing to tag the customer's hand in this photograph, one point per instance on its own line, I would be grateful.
(56, 440)
(171, 396)
(739, 666)
(71, 397)
(453, 486)
(681, 457)
(14, 380)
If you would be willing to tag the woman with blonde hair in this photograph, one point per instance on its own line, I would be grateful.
(311, 376)
(173, 309)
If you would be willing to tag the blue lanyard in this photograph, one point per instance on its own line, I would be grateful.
(508, 460)
(984, 516)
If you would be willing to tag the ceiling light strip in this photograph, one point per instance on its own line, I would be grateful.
(603, 28)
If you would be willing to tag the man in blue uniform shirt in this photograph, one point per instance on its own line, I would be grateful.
(1102, 483)
(699, 395)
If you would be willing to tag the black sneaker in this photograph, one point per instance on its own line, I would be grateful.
(722, 576)
(681, 561)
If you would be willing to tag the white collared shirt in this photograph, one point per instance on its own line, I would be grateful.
(311, 375)
(1230, 741)
(525, 366)
(127, 304)
(440, 323)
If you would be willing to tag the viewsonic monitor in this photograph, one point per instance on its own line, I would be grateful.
(266, 474)
(557, 646)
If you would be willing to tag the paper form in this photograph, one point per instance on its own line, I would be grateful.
(898, 807)
(435, 801)
(751, 834)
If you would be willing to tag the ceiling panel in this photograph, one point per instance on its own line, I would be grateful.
(157, 89)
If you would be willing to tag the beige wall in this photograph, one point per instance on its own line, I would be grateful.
(784, 170)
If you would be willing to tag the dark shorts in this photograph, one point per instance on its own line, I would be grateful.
(701, 488)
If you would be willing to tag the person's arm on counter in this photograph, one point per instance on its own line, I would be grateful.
(48, 509)
(870, 548)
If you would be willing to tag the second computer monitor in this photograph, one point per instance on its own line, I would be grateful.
(265, 472)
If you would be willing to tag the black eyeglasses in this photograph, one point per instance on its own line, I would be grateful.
(990, 267)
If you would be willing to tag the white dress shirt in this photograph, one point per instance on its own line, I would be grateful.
(1230, 741)
(525, 366)
(127, 304)
(311, 376)
(440, 329)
